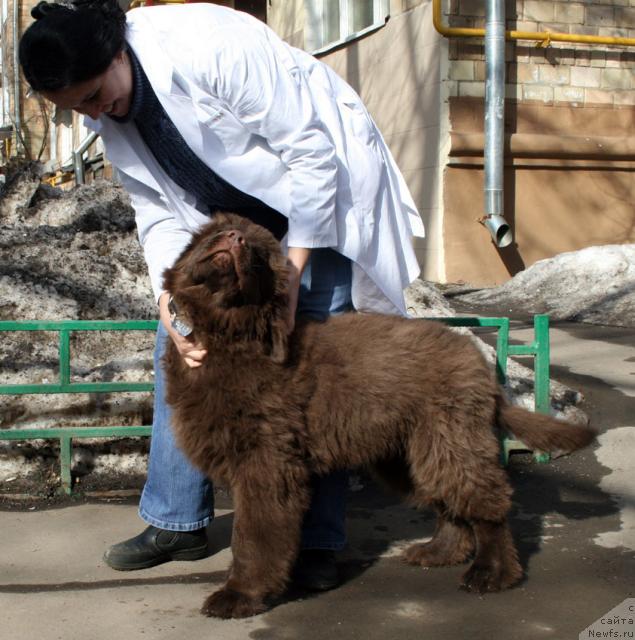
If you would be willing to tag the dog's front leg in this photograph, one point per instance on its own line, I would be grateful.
(268, 509)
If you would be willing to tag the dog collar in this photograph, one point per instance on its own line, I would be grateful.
(179, 325)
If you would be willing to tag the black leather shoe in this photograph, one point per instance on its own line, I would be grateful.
(155, 546)
(316, 570)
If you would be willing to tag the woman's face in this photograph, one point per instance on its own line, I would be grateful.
(108, 93)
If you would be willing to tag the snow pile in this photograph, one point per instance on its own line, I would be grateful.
(595, 285)
(68, 255)
(424, 300)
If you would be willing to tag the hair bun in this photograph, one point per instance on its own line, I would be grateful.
(106, 6)
(110, 9)
(43, 8)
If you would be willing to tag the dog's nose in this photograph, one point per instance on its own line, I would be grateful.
(236, 237)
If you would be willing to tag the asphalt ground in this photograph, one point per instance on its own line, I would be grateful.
(573, 521)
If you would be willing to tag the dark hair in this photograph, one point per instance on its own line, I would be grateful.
(71, 43)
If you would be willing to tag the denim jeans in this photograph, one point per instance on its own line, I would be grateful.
(178, 497)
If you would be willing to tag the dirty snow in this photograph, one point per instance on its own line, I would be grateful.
(64, 256)
(595, 285)
(424, 300)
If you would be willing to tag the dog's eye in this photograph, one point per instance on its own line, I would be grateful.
(204, 252)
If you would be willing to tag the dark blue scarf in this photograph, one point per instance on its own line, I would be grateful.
(212, 193)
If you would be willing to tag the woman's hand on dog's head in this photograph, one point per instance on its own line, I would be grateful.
(191, 351)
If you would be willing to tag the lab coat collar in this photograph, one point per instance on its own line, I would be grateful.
(142, 37)
(125, 148)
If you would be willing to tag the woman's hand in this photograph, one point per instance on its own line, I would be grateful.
(297, 258)
(191, 351)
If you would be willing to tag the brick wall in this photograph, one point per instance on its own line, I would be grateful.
(576, 74)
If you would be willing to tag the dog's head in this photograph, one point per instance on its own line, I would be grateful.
(231, 282)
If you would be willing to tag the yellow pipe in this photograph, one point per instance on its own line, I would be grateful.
(545, 38)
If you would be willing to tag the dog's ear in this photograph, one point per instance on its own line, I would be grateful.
(189, 304)
(177, 278)
(279, 340)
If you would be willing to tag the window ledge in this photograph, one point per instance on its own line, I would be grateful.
(349, 38)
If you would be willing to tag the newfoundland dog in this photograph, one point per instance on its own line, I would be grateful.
(410, 399)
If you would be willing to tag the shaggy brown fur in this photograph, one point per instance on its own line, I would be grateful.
(264, 412)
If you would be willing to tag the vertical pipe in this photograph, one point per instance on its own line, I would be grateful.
(494, 121)
(16, 74)
(78, 167)
(3, 62)
(66, 462)
(78, 157)
(52, 140)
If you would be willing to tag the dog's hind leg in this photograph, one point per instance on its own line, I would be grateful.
(457, 465)
(269, 505)
(452, 543)
(495, 565)
(484, 505)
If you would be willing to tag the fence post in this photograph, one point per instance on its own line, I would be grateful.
(65, 463)
(541, 373)
(65, 357)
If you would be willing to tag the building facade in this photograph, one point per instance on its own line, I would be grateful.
(569, 118)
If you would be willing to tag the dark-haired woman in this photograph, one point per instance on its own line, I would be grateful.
(202, 108)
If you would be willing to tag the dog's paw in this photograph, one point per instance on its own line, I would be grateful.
(481, 579)
(431, 554)
(484, 578)
(226, 603)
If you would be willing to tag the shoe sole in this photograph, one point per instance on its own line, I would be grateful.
(185, 555)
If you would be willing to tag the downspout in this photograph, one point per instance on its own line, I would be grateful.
(16, 75)
(495, 79)
(3, 44)
(494, 220)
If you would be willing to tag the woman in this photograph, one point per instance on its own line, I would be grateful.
(202, 108)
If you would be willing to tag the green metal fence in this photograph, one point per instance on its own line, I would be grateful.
(539, 349)
(66, 435)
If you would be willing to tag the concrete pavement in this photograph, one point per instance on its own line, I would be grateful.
(572, 520)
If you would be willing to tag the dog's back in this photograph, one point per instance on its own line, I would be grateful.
(373, 378)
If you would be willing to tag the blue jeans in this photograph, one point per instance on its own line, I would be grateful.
(178, 497)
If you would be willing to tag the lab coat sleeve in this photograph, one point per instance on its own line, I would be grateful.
(162, 238)
(270, 96)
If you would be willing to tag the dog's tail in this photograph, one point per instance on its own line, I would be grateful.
(541, 432)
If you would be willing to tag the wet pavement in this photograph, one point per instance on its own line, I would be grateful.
(573, 521)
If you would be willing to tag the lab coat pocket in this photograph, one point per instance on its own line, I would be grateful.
(222, 124)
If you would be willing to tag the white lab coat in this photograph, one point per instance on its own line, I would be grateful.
(277, 124)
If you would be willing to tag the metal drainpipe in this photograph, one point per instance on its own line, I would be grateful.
(3, 45)
(16, 75)
(495, 122)
(78, 157)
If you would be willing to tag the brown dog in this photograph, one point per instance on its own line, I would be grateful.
(408, 398)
